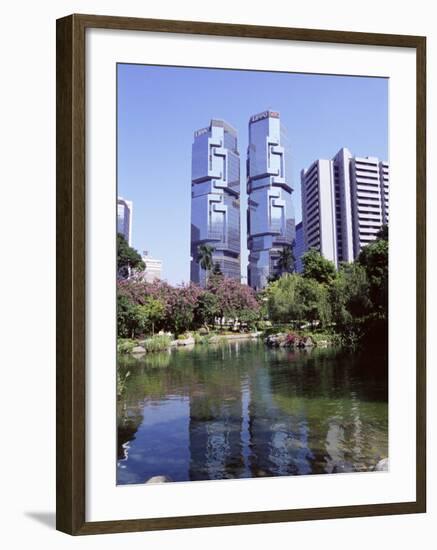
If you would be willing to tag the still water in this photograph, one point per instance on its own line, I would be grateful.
(240, 410)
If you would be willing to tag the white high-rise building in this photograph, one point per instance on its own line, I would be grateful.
(124, 219)
(368, 199)
(153, 269)
(344, 204)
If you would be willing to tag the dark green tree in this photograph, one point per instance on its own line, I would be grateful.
(128, 259)
(316, 267)
(285, 261)
(204, 257)
(207, 309)
(127, 321)
(216, 270)
(383, 233)
(374, 259)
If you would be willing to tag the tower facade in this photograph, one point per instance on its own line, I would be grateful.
(345, 202)
(215, 200)
(270, 215)
(124, 218)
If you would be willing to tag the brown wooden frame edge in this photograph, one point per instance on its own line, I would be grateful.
(70, 274)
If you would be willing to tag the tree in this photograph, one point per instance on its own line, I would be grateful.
(216, 270)
(234, 300)
(286, 259)
(204, 257)
(207, 309)
(374, 259)
(316, 267)
(282, 305)
(149, 314)
(349, 296)
(128, 258)
(126, 317)
(383, 233)
(295, 298)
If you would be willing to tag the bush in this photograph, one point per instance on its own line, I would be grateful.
(157, 343)
(125, 345)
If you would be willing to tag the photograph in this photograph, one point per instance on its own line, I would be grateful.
(252, 274)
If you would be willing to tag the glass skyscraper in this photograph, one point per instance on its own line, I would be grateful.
(215, 199)
(270, 215)
(124, 219)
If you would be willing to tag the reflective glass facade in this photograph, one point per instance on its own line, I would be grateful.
(215, 199)
(124, 219)
(270, 215)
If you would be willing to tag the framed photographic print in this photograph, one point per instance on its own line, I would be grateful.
(240, 274)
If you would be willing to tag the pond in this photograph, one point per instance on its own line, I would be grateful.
(241, 410)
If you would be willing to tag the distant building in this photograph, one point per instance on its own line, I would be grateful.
(124, 218)
(153, 269)
(344, 204)
(215, 199)
(270, 215)
(298, 248)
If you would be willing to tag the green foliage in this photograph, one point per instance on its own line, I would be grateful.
(207, 309)
(148, 314)
(125, 345)
(122, 376)
(383, 233)
(127, 258)
(126, 317)
(157, 343)
(374, 259)
(285, 263)
(316, 267)
(201, 338)
(204, 256)
(216, 270)
(295, 298)
(348, 295)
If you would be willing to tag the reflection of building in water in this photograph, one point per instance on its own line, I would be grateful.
(279, 437)
(215, 436)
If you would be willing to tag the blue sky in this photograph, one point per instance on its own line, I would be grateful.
(159, 108)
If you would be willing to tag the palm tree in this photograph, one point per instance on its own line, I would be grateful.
(204, 257)
(286, 259)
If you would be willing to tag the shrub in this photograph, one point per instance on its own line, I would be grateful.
(125, 345)
(157, 343)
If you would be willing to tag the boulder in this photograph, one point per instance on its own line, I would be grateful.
(306, 342)
(186, 341)
(138, 350)
(382, 465)
(159, 479)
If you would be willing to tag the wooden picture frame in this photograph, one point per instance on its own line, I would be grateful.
(71, 253)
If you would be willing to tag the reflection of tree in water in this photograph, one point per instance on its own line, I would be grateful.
(128, 422)
(256, 412)
(346, 414)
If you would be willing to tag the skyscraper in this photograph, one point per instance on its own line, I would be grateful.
(270, 215)
(298, 248)
(215, 199)
(124, 219)
(369, 183)
(344, 204)
(153, 268)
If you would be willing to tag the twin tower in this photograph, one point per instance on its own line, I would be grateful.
(215, 198)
